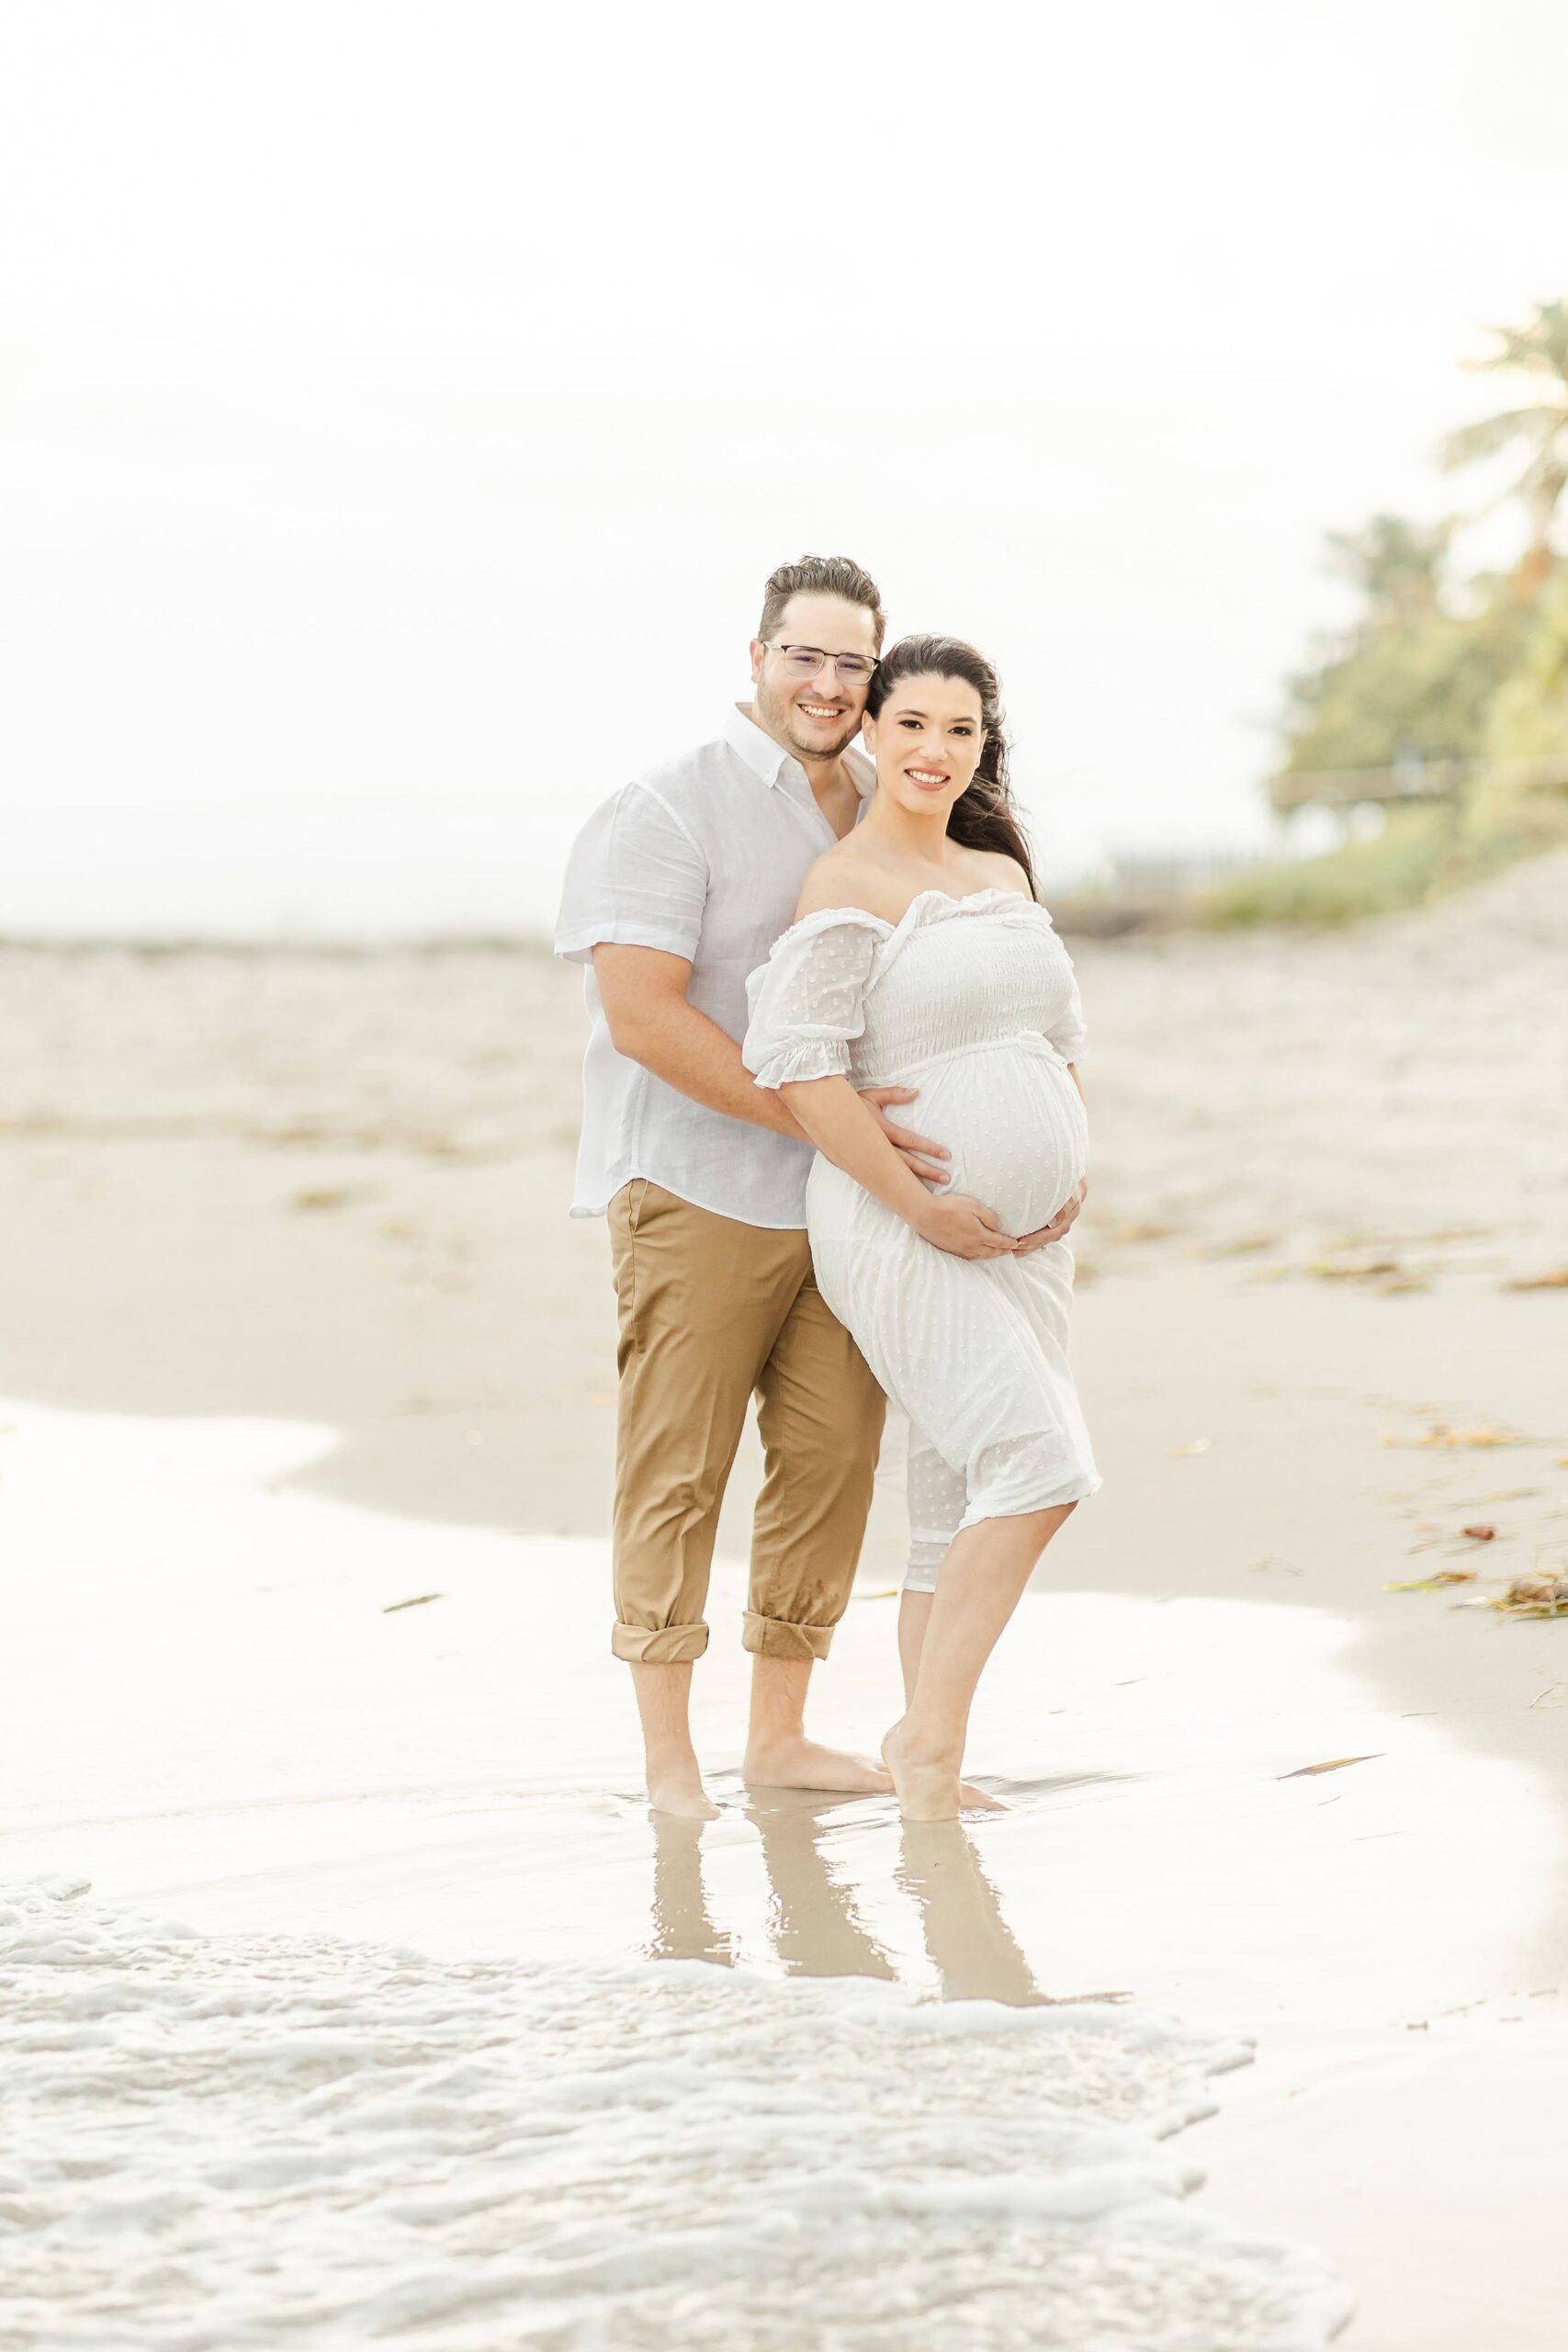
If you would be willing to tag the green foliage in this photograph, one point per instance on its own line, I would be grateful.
(1397, 565)
(1398, 869)
(1424, 851)
(1529, 716)
(1404, 686)
(1432, 670)
(1539, 431)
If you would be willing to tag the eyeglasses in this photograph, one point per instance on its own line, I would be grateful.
(807, 660)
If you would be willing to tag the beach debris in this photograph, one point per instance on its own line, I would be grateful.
(1334, 1764)
(416, 1600)
(1556, 1280)
(1538, 1592)
(1479, 1532)
(1198, 1445)
(1548, 1698)
(1444, 1437)
(1382, 1274)
(1431, 1583)
(328, 1196)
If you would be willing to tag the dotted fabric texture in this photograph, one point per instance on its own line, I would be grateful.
(972, 1000)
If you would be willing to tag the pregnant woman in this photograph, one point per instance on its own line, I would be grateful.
(920, 956)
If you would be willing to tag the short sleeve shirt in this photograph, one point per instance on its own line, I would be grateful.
(703, 858)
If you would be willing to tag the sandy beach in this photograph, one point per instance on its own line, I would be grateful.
(304, 1482)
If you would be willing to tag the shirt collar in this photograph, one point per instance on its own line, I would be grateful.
(769, 761)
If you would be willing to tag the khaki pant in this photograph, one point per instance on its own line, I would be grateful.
(710, 1310)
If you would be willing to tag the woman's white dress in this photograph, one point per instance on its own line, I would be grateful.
(973, 1002)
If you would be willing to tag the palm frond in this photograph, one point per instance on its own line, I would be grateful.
(1541, 423)
(1540, 347)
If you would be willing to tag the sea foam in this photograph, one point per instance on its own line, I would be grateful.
(254, 2140)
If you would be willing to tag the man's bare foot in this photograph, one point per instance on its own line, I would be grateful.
(974, 1800)
(929, 1788)
(680, 1790)
(802, 1763)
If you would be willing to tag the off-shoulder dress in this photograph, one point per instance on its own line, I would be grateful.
(972, 1000)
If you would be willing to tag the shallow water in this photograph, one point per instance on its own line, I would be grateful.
(216, 1692)
(215, 2140)
(312, 1731)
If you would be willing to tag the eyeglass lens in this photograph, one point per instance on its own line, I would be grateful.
(808, 659)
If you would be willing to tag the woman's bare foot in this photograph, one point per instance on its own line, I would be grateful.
(680, 1790)
(800, 1763)
(929, 1788)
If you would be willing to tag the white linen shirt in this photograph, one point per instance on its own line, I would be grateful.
(703, 858)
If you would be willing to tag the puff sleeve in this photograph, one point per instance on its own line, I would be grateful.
(1065, 1029)
(807, 1001)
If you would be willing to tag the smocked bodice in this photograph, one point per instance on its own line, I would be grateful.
(846, 993)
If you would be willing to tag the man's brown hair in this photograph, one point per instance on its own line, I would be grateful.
(820, 575)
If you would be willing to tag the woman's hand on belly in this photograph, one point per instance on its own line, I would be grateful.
(963, 1226)
(1058, 1224)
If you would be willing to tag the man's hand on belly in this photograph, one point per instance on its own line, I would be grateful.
(916, 1152)
(1057, 1226)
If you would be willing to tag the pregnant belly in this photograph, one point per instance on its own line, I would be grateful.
(1014, 1123)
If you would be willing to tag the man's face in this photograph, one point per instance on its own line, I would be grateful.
(814, 715)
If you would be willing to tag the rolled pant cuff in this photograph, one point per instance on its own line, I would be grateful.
(659, 1645)
(776, 1637)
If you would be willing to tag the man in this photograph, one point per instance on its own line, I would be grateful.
(676, 892)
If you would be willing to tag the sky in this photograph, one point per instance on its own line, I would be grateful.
(401, 406)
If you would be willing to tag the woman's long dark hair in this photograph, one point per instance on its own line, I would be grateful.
(985, 816)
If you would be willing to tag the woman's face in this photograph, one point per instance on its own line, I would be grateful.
(927, 741)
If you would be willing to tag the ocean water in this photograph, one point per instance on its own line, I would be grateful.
(347, 1993)
(239, 2141)
(357, 875)
(372, 873)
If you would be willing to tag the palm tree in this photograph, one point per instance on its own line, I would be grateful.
(1396, 564)
(1538, 348)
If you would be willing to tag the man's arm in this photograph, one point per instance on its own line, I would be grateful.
(653, 1022)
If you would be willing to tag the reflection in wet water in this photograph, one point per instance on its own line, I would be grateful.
(972, 1948)
(683, 1928)
(813, 1922)
(221, 1708)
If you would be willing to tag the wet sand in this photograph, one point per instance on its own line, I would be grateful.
(320, 1197)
